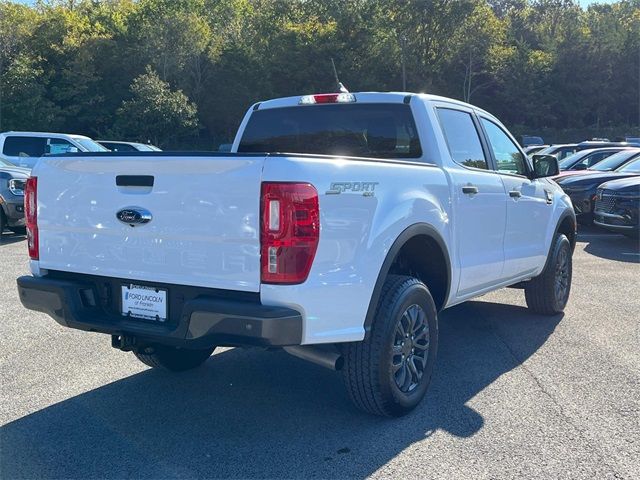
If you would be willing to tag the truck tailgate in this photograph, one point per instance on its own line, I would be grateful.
(204, 229)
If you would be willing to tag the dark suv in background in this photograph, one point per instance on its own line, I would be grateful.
(617, 206)
(12, 182)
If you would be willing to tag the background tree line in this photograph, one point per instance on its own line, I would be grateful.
(181, 73)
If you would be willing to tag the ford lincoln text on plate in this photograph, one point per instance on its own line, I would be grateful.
(389, 208)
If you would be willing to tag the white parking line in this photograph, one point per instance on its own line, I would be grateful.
(598, 235)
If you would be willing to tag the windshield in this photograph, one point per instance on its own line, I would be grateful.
(378, 130)
(558, 151)
(613, 162)
(571, 160)
(632, 167)
(89, 145)
(144, 148)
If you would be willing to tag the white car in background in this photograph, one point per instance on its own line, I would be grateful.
(23, 149)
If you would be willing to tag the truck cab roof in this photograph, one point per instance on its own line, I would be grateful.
(369, 97)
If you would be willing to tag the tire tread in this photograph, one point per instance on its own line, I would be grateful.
(539, 291)
(363, 358)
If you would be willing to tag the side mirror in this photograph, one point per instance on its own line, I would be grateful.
(545, 166)
(580, 166)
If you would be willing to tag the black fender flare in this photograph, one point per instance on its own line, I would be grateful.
(417, 229)
(563, 216)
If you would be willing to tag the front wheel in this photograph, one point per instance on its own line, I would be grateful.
(389, 372)
(172, 358)
(548, 293)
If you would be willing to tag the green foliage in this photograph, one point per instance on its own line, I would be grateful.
(183, 72)
(156, 113)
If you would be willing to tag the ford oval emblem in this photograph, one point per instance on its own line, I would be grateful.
(134, 216)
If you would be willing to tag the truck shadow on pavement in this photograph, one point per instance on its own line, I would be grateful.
(609, 246)
(257, 414)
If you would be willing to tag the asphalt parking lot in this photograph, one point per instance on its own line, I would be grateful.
(514, 395)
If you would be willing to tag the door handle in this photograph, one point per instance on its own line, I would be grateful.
(515, 194)
(134, 180)
(469, 189)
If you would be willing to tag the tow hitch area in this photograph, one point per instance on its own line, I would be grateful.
(126, 343)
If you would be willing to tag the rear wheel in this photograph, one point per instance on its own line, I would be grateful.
(389, 372)
(172, 358)
(548, 293)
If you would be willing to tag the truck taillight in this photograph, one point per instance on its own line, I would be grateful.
(31, 216)
(290, 230)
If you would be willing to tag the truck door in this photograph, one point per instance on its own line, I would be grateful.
(529, 205)
(479, 203)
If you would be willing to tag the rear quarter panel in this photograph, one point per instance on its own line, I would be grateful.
(356, 234)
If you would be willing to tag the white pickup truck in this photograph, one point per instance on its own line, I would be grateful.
(392, 207)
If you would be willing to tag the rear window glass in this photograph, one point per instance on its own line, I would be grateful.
(358, 130)
(89, 145)
(462, 138)
(24, 146)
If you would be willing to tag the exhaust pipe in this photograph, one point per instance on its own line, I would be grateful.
(325, 358)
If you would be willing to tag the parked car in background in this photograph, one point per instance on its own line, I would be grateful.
(562, 151)
(528, 140)
(582, 188)
(530, 150)
(118, 146)
(559, 151)
(23, 149)
(587, 158)
(617, 206)
(609, 164)
(588, 144)
(12, 183)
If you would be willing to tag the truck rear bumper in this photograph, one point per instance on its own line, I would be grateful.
(203, 321)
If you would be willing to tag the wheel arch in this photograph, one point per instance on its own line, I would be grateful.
(434, 270)
(567, 224)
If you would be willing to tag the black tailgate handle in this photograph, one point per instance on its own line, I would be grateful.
(134, 180)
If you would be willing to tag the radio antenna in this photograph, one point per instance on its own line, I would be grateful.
(341, 87)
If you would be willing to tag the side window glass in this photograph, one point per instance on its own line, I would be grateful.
(462, 138)
(24, 146)
(587, 161)
(508, 156)
(597, 157)
(59, 145)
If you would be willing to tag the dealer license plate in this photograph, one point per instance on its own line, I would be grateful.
(144, 302)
